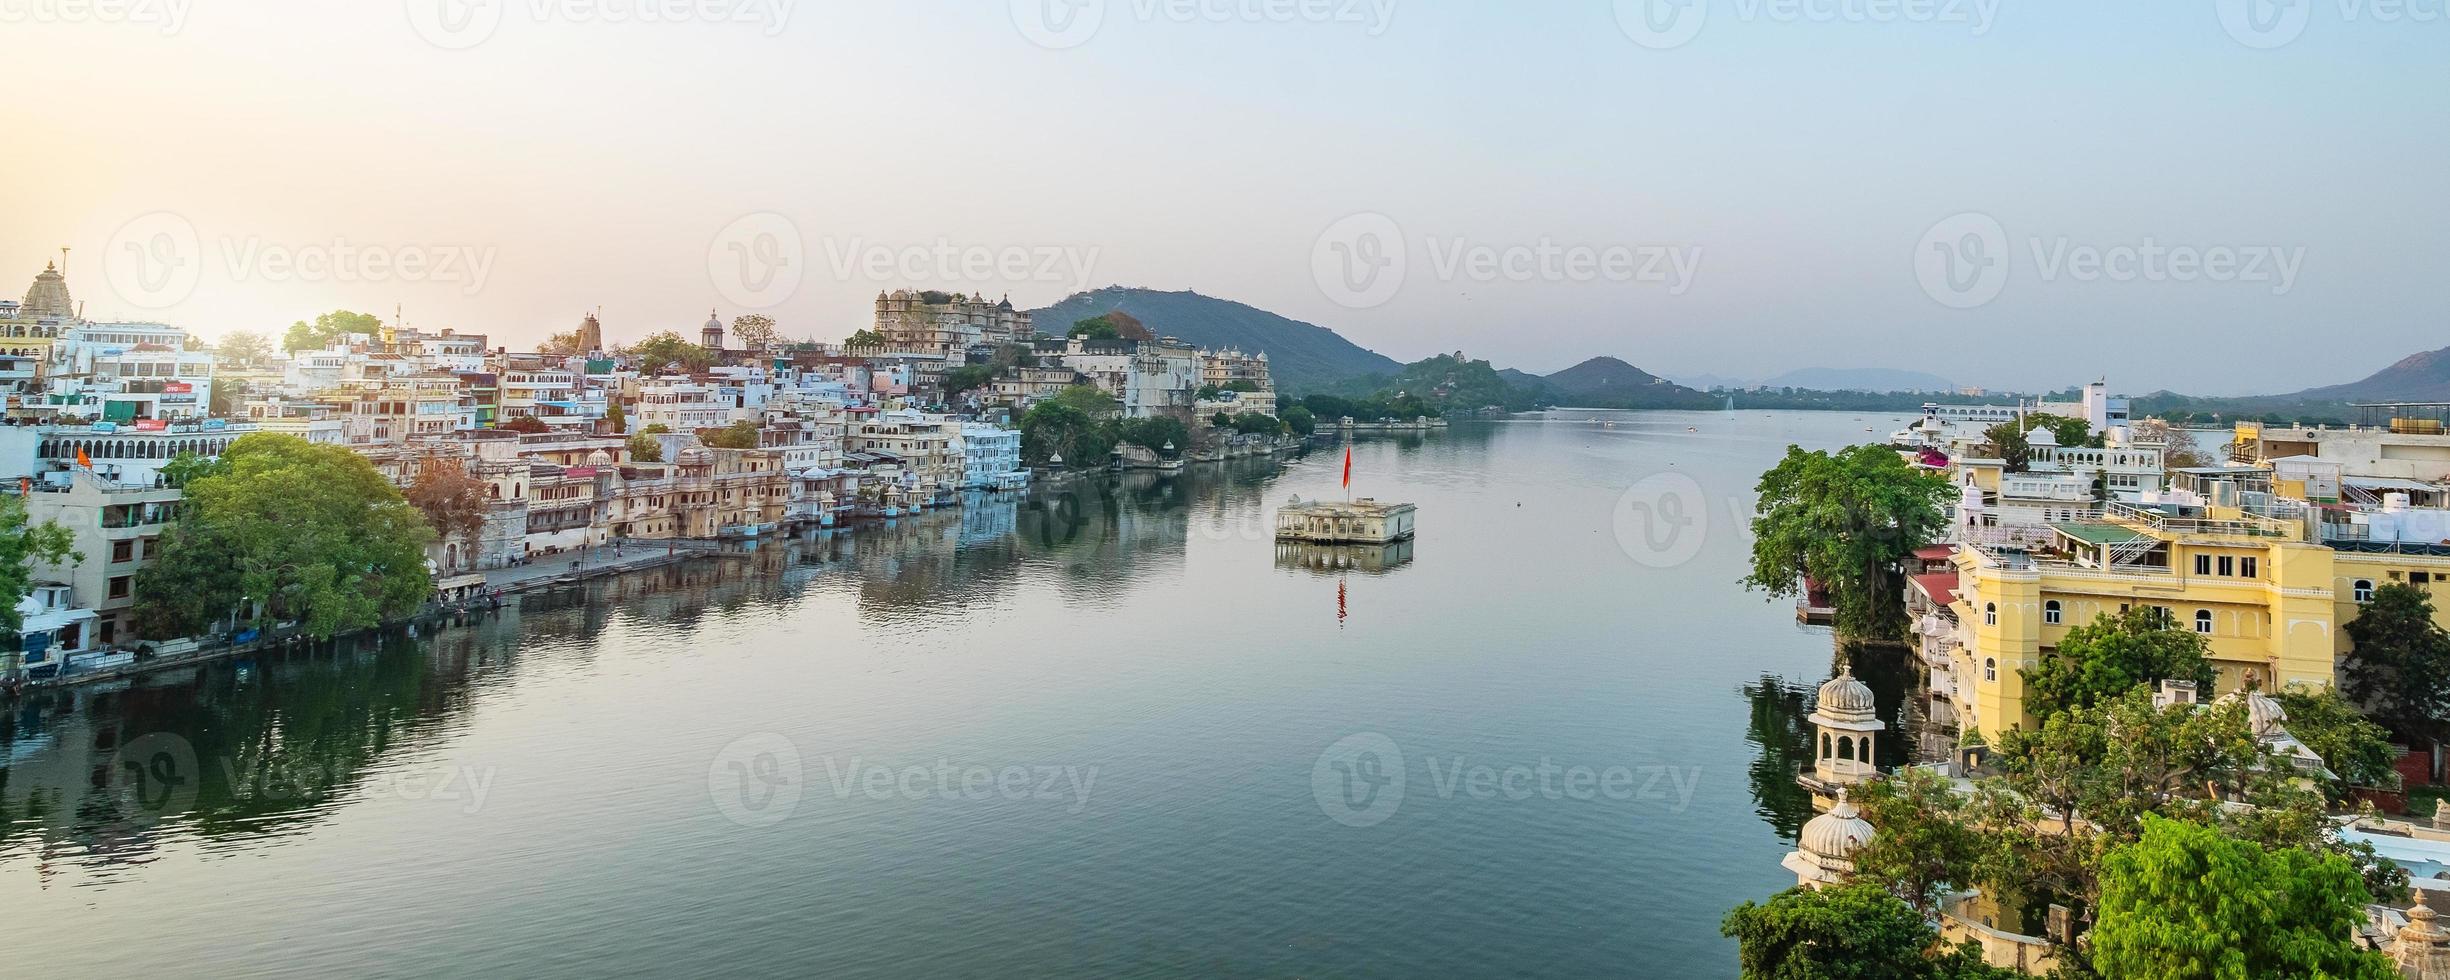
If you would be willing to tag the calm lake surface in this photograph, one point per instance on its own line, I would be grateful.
(1105, 730)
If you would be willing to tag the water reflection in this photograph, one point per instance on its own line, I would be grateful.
(1368, 559)
(237, 753)
(1783, 741)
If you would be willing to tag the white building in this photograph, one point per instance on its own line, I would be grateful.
(991, 458)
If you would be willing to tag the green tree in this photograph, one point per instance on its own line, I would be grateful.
(563, 344)
(1300, 420)
(179, 470)
(1155, 433)
(967, 377)
(755, 332)
(656, 429)
(328, 328)
(1926, 842)
(615, 418)
(525, 423)
(661, 351)
(2116, 653)
(2010, 440)
(1091, 400)
(738, 435)
(2185, 902)
(1854, 933)
(645, 449)
(1847, 521)
(242, 348)
(1057, 426)
(22, 544)
(309, 532)
(2354, 749)
(2398, 663)
(864, 338)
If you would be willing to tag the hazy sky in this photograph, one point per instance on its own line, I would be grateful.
(2208, 196)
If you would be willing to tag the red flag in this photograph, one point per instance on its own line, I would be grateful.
(1348, 467)
(88, 462)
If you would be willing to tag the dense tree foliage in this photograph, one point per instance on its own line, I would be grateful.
(1299, 421)
(660, 352)
(2354, 749)
(1926, 843)
(2186, 902)
(2398, 662)
(328, 328)
(306, 532)
(864, 338)
(645, 449)
(741, 434)
(525, 423)
(242, 348)
(1855, 933)
(2115, 654)
(967, 377)
(1846, 520)
(755, 332)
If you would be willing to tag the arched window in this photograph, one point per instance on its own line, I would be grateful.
(1846, 748)
(2051, 612)
(2203, 621)
(1990, 614)
(1990, 668)
(1824, 745)
(2364, 590)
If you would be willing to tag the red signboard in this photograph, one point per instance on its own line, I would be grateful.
(177, 388)
(152, 425)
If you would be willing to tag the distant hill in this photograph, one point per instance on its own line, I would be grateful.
(1605, 382)
(1861, 379)
(2416, 378)
(1302, 356)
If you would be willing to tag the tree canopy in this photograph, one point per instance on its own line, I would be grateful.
(328, 328)
(2398, 662)
(242, 348)
(2114, 654)
(741, 434)
(2186, 902)
(1847, 520)
(755, 332)
(308, 532)
(2010, 442)
(659, 352)
(1854, 933)
(23, 543)
(645, 448)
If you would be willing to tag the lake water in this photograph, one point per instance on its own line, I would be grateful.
(1106, 730)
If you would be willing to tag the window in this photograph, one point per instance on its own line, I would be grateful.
(2203, 621)
(2419, 578)
(123, 551)
(2228, 565)
(2203, 564)
(1846, 748)
(120, 586)
(1990, 614)
(1990, 668)
(2364, 590)
(2051, 612)
(2248, 568)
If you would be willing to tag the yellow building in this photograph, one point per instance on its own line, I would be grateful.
(2268, 600)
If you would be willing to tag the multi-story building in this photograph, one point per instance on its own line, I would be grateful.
(926, 320)
(398, 409)
(925, 449)
(122, 454)
(2411, 441)
(1149, 378)
(115, 529)
(991, 458)
(678, 404)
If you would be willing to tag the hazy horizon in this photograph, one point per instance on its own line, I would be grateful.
(2014, 196)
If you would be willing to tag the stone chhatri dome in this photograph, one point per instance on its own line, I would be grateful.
(1837, 834)
(599, 458)
(49, 294)
(1846, 698)
(2422, 951)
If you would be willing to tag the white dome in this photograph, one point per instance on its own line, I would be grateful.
(599, 458)
(2041, 437)
(1844, 695)
(1837, 834)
